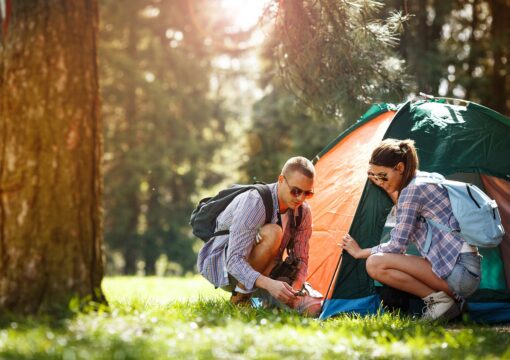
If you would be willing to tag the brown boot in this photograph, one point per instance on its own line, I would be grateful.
(238, 298)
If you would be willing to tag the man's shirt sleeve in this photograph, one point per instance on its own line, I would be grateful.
(248, 218)
(301, 244)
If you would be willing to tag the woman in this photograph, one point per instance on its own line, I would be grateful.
(450, 268)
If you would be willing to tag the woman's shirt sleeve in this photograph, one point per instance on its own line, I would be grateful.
(408, 209)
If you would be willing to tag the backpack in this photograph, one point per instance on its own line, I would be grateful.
(203, 217)
(477, 214)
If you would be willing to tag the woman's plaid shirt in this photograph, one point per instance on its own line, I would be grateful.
(431, 201)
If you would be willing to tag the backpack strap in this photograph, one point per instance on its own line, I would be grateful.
(295, 222)
(431, 223)
(267, 199)
(298, 218)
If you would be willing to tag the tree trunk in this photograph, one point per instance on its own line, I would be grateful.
(50, 151)
(152, 247)
(500, 77)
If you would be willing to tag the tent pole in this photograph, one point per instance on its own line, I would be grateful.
(334, 275)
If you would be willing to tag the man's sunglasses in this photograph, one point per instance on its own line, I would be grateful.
(297, 192)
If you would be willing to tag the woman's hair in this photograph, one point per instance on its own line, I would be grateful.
(392, 151)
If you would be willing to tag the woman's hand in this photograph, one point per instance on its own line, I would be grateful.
(351, 246)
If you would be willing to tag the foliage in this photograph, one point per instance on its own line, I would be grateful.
(168, 110)
(282, 127)
(338, 56)
(458, 49)
(208, 328)
(162, 125)
(324, 62)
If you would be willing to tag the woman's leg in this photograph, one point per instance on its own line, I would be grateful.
(409, 273)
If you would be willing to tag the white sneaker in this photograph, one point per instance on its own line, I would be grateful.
(440, 305)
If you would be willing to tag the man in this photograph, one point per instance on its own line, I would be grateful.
(243, 259)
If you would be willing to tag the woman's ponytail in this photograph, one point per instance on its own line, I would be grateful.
(410, 160)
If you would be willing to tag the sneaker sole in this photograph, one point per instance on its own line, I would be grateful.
(450, 314)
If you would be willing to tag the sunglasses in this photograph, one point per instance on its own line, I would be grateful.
(379, 176)
(297, 192)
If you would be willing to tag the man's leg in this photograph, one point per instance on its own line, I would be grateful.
(261, 258)
(263, 255)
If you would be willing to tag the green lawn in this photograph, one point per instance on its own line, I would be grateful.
(173, 318)
(160, 291)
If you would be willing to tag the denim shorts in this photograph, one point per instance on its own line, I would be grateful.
(465, 277)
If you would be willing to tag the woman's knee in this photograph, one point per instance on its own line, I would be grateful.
(374, 265)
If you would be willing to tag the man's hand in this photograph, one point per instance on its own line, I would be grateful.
(278, 289)
(281, 291)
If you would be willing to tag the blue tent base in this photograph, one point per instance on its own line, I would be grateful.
(364, 306)
(489, 312)
(479, 312)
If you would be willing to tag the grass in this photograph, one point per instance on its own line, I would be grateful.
(159, 290)
(177, 318)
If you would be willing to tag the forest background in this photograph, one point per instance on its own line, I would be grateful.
(195, 97)
(116, 117)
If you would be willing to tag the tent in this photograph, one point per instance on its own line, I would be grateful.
(461, 140)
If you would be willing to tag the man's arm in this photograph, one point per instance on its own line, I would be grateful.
(301, 247)
(247, 219)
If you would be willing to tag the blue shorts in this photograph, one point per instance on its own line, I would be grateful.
(465, 277)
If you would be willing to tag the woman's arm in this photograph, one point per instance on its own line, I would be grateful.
(351, 246)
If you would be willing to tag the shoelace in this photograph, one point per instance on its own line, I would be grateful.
(428, 306)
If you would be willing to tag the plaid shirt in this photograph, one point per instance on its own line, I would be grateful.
(431, 201)
(227, 254)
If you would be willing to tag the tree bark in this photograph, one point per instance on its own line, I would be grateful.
(50, 152)
(500, 76)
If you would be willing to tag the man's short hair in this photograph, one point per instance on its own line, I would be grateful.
(300, 164)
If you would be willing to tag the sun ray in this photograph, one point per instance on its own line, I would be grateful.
(244, 13)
